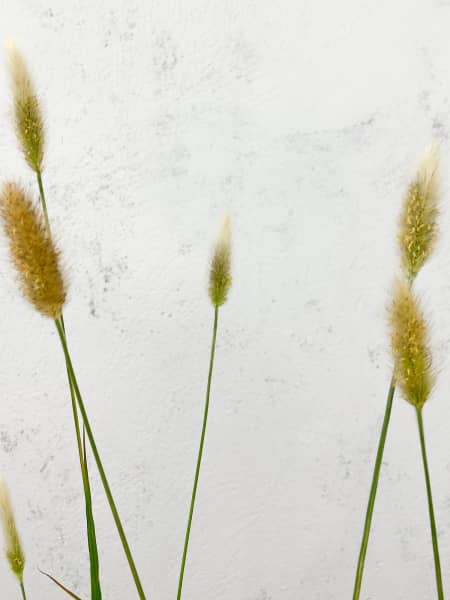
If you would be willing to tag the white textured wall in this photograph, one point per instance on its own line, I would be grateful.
(306, 119)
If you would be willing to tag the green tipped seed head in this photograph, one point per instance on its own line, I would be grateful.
(418, 220)
(410, 346)
(28, 120)
(13, 546)
(220, 270)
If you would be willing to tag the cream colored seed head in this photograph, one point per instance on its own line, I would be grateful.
(220, 271)
(33, 252)
(28, 118)
(410, 346)
(13, 547)
(418, 220)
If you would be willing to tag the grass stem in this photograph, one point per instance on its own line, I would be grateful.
(98, 462)
(200, 453)
(22, 589)
(434, 537)
(373, 493)
(96, 593)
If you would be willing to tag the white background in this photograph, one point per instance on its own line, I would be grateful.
(306, 119)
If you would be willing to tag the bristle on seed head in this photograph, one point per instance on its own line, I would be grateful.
(220, 270)
(13, 546)
(418, 220)
(28, 120)
(33, 252)
(410, 346)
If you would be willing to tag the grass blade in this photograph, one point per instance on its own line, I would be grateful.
(96, 592)
(60, 585)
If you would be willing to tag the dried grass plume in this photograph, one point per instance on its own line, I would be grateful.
(13, 547)
(33, 251)
(28, 118)
(418, 226)
(220, 271)
(410, 346)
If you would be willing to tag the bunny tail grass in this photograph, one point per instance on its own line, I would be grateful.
(30, 133)
(33, 252)
(412, 374)
(373, 493)
(28, 120)
(219, 285)
(417, 235)
(220, 270)
(200, 453)
(98, 461)
(418, 220)
(13, 546)
(410, 346)
(413, 369)
(96, 593)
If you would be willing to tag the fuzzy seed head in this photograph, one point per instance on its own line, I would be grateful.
(28, 118)
(33, 252)
(418, 219)
(13, 547)
(220, 270)
(410, 346)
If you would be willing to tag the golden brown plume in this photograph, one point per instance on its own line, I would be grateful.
(410, 346)
(33, 252)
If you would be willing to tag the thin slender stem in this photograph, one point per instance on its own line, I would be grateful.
(434, 537)
(90, 525)
(74, 410)
(92, 542)
(72, 394)
(44, 203)
(373, 492)
(22, 589)
(200, 453)
(99, 464)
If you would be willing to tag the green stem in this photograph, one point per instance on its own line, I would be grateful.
(90, 524)
(373, 492)
(74, 409)
(44, 203)
(99, 464)
(92, 540)
(22, 589)
(200, 453)
(434, 537)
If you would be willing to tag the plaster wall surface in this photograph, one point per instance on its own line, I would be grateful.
(306, 120)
